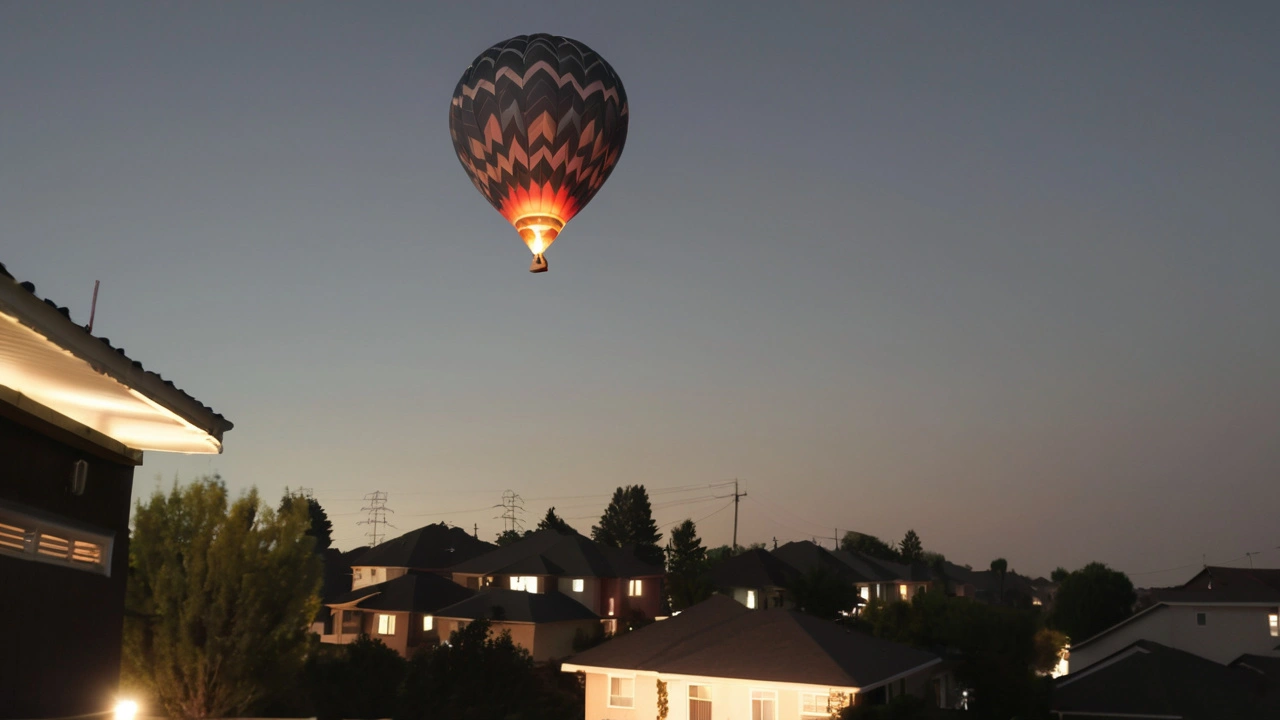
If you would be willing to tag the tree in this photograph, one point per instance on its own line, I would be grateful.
(220, 599)
(1000, 568)
(1058, 575)
(910, 550)
(823, 593)
(506, 537)
(360, 679)
(1090, 600)
(552, 521)
(321, 529)
(869, 545)
(686, 567)
(629, 521)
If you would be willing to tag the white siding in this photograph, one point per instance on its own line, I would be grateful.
(590, 595)
(1228, 633)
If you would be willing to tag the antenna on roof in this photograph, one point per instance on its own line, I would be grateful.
(93, 309)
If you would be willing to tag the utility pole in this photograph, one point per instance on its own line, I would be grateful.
(376, 506)
(736, 496)
(475, 531)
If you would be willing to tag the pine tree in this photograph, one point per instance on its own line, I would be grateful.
(552, 521)
(629, 521)
(686, 566)
(911, 550)
(321, 529)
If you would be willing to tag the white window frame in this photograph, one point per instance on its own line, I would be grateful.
(1273, 621)
(45, 540)
(428, 623)
(579, 585)
(524, 583)
(690, 699)
(386, 624)
(611, 609)
(751, 599)
(635, 588)
(772, 697)
(631, 698)
(823, 700)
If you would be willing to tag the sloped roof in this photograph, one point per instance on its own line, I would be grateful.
(806, 557)
(59, 363)
(721, 638)
(1149, 679)
(753, 569)
(548, 552)
(413, 592)
(1226, 585)
(433, 547)
(518, 606)
(871, 569)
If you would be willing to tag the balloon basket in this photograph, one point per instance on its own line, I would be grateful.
(539, 264)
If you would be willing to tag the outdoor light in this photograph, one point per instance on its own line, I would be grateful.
(126, 710)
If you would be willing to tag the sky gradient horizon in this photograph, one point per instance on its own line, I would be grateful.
(1006, 275)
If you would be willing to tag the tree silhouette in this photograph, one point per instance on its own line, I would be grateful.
(686, 566)
(1092, 599)
(552, 521)
(869, 545)
(911, 550)
(321, 529)
(629, 521)
(999, 568)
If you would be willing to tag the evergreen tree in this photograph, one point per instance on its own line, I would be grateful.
(506, 537)
(552, 521)
(220, 600)
(686, 566)
(1000, 568)
(321, 529)
(629, 521)
(910, 550)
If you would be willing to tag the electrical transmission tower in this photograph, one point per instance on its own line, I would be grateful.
(376, 506)
(511, 505)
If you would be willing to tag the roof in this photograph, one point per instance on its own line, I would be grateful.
(753, 569)
(806, 556)
(548, 552)
(433, 547)
(518, 606)
(1226, 585)
(1150, 679)
(51, 363)
(413, 592)
(721, 638)
(871, 569)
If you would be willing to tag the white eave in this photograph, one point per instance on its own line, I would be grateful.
(48, 361)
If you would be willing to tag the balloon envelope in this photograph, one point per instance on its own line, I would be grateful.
(539, 122)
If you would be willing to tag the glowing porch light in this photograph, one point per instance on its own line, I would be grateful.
(126, 710)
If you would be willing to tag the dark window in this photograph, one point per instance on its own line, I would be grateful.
(1200, 619)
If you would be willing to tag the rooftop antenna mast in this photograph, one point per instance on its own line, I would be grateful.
(93, 309)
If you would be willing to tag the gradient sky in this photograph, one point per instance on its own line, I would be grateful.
(1006, 274)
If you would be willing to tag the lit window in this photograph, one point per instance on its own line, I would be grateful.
(386, 624)
(865, 592)
(1201, 619)
(610, 606)
(579, 584)
(428, 623)
(902, 591)
(764, 705)
(634, 588)
(524, 583)
(622, 692)
(751, 599)
(699, 702)
(1274, 619)
(814, 704)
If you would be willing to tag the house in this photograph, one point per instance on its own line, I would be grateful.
(1149, 680)
(884, 580)
(400, 612)
(546, 624)
(610, 582)
(76, 415)
(756, 579)
(433, 548)
(1220, 614)
(719, 660)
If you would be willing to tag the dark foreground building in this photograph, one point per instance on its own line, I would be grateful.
(76, 415)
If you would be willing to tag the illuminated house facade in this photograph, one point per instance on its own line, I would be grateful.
(76, 415)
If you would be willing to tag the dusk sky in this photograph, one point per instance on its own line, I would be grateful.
(1004, 273)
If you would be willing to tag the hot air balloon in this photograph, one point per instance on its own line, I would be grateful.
(539, 122)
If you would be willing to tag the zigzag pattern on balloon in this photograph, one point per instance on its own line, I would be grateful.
(538, 123)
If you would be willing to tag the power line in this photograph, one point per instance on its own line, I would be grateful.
(511, 504)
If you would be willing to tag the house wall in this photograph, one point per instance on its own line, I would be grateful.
(1228, 633)
(555, 639)
(590, 595)
(62, 626)
(362, 575)
(730, 699)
